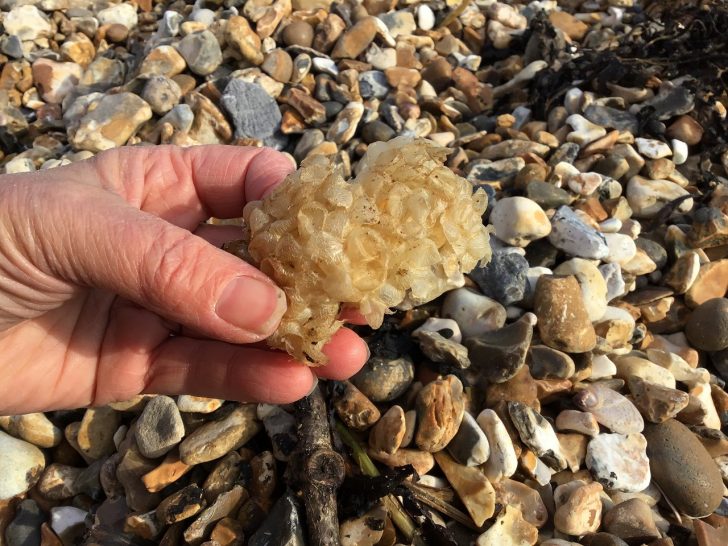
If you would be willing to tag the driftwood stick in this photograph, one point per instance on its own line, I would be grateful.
(316, 471)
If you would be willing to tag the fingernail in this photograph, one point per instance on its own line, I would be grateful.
(369, 352)
(313, 385)
(252, 305)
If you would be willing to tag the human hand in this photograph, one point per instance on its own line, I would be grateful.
(103, 260)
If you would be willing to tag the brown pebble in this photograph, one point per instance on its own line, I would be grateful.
(298, 33)
(686, 129)
(278, 65)
(683, 468)
(563, 321)
(117, 33)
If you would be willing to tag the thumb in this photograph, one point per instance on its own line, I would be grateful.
(159, 266)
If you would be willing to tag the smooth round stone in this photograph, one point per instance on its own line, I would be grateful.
(632, 520)
(503, 278)
(612, 274)
(377, 131)
(707, 326)
(278, 65)
(24, 530)
(470, 445)
(21, 465)
(592, 284)
(503, 461)
(373, 84)
(201, 51)
(547, 195)
(570, 234)
(383, 379)
(162, 94)
(425, 17)
(474, 312)
(621, 248)
(68, 522)
(518, 221)
(159, 427)
(298, 33)
(647, 197)
(563, 320)
(683, 468)
(619, 461)
(547, 363)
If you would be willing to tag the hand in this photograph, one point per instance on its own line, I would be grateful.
(103, 260)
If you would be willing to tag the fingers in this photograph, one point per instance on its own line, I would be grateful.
(159, 266)
(347, 353)
(210, 368)
(188, 185)
(139, 356)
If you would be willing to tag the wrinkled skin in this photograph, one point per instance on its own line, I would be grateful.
(111, 287)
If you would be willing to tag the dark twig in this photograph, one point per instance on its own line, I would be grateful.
(316, 471)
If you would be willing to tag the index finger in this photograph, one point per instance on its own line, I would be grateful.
(188, 185)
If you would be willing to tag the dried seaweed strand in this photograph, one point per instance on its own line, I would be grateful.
(399, 517)
(425, 497)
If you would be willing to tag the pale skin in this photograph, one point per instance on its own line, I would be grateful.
(111, 286)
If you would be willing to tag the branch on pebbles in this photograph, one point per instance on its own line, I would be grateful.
(316, 471)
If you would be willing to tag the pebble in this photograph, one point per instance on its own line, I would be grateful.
(631, 521)
(500, 354)
(537, 433)
(610, 409)
(471, 485)
(563, 321)
(246, 42)
(387, 434)
(503, 278)
(578, 508)
(254, 113)
(475, 313)
(584, 130)
(383, 380)
(591, 282)
(281, 526)
(683, 469)
(159, 428)
(547, 363)
(570, 234)
(278, 65)
(509, 529)
(68, 523)
(651, 148)
(35, 428)
(619, 462)
(355, 40)
(298, 33)
(198, 404)
(647, 197)
(707, 326)
(470, 445)
(119, 14)
(440, 349)
(201, 51)
(440, 408)
(354, 408)
(111, 122)
(162, 94)
(217, 438)
(366, 530)
(518, 221)
(27, 22)
(503, 461)
(577, 421)
(96, 432)
(24, 529)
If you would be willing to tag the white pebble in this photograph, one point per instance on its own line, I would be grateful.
(651, 148)
(679, 151)
(425, 17)
(518, 221)
(621, 248)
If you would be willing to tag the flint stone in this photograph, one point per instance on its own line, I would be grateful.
(500, 354)
(255, 114)
(503, 278)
